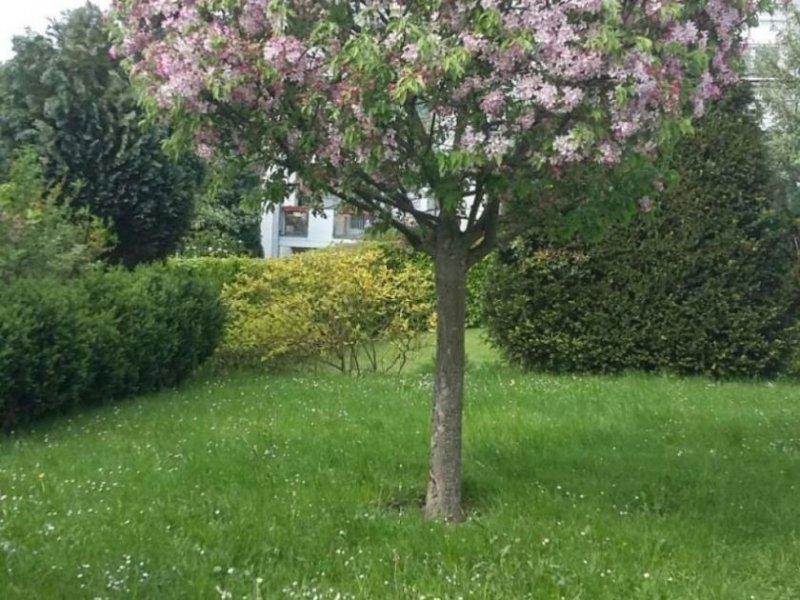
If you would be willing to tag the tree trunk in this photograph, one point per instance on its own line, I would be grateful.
(443, 499)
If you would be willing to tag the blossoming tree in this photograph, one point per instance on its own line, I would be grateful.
(377, 102)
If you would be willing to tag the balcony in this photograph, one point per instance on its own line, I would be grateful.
(294, 221)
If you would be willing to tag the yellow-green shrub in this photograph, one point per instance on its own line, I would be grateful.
(400, 254)
(347, 307)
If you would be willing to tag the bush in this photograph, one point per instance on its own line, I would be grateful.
(476, 282)
(399, 255)
(44, 356)
(37, 235)
(100, 337)
(703, 283)
(221, 270)
(216, 271)
(349, 307)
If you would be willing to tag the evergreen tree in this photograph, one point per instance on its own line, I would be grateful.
(700, 280)
(64, 94)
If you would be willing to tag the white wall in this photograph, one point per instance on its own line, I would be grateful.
(320, 234)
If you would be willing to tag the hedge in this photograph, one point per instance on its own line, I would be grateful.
(100, 337)
(346, 306)
(216, 271)
(219, 271)
(704, 283)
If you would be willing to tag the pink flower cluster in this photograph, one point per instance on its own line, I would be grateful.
(379, 86)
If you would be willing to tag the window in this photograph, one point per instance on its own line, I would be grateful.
(294, 221)
(350, 226)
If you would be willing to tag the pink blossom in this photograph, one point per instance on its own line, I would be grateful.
(204, 151)
(410, 53)
(364, 96)
(472, 140)
(493, 103)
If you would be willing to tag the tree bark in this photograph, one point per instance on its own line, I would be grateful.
(443, 499)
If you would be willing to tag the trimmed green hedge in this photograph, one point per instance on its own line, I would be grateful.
(99, 338)
(704, 283)
(216, 271)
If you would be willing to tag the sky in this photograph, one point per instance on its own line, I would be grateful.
(16, 15)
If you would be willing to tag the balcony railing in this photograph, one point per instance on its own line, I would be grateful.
(294, 221)
(347, 226)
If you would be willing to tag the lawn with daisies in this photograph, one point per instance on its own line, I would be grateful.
(308, 485)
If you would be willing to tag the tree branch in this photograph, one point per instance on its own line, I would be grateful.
(398, 200)
(487, 226)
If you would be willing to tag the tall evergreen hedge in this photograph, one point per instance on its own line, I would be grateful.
(703, 282)
(100, 337)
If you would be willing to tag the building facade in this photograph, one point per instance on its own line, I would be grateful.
(291, 228)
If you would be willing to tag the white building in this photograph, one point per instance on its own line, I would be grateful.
(290, 228)
(767, 30)
(763, 37)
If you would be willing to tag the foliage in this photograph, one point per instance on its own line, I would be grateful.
(565, 211)
(373, 100)
(37, 236)
(476, 281)
(334, 306)
(703, 282)
(227, 218)
(65, 95)
(216, 271)
(399, 255)
(99, 337)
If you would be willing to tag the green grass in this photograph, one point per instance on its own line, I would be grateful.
(478, 351)
(308, 487)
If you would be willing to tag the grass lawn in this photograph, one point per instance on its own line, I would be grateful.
(308, 486)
